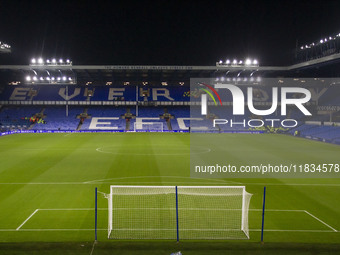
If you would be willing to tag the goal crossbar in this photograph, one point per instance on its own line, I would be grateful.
(182, 212)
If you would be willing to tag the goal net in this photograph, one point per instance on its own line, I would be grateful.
(148, 127)
(178, 212)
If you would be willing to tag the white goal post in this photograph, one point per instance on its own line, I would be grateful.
(148, 126)
(178, 212)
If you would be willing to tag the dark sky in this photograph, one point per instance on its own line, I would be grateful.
(163, 32)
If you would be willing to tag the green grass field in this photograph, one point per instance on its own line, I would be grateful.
(47, 184)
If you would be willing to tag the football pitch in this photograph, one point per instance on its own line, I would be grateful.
(48, 181)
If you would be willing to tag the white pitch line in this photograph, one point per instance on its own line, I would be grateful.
(42, 183)
(55, 229)
(153, 176)
(27, 219)
(293, 184)
(71, 209)
(123, 182)
(321, 221)
(104, 229)
(293, 230)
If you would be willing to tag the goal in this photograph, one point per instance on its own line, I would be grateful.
(148, 127)
(178, 212)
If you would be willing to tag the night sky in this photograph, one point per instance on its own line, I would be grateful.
(163, 32)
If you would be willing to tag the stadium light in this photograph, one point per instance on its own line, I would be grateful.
(321, 41)
(28, 78)
(5, 48)
(248, 62)
(40, 61)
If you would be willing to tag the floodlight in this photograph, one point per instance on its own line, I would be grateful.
(33, 61)
(54, 61)
(28, 78)
(52, 78)
(58, 78)
(222, 78)
(248, 62)
(47, 78)
(234, 61)
(69, 78)
(220, 62)
(64, 78)
(60, 61)
(321, 41)
(255, 62)
(41, 78)
(35, 78)
(40, 61)
(240, 63)
(47, 61)
(227, 61)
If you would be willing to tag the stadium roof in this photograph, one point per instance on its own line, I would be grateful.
(119, 73)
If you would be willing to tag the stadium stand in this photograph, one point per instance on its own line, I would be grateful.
(102, 108)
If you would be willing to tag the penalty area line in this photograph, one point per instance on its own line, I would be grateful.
(324, 223)
(27, 219)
